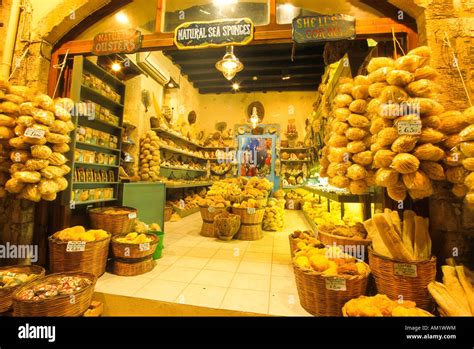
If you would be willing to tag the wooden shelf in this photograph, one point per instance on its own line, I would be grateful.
(181, 169)
(88, 146)
(93, 201)
(188, 185)
(99, 125)
(96, 97)
(342, 198)
(95, 165)
(181, 152)
(176, 137)
(294, 149)
(94, 183)
(292, 186)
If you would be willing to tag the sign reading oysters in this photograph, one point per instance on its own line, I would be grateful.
(218, 33)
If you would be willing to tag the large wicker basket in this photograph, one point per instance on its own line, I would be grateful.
(6, 293)
(404, 279)
(132, 267)
(344, 312)
(67, 305)
(91, 260)
(208, 212)
(250, 232)
(319, 295)
(168, 213)
(249, 215)
(226, 225)
(126, 250)
(113, 223)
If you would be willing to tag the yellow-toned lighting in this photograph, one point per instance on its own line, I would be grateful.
(235, 86)
(220, 3)
(116, 67)
(122, 18)
(229, 65)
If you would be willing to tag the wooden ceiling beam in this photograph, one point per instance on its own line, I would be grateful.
(251, 83)
(274, 57)
(273, 77)
(307, 88)
(192, 73)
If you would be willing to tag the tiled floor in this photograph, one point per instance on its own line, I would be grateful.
(253, 276)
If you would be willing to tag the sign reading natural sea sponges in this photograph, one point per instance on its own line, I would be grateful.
(217, 33)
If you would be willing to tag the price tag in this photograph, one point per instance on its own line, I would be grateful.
(251, 210)
(211, 209)
(182, 204)
(31, 132)
(291, 205)
(144, 247)
(132, 215)
(408, 270)
(76, 246)
(409, 127)
(336, 284)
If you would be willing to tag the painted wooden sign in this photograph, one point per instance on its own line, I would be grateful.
(194, 35)
(125, 41)
(323, 28)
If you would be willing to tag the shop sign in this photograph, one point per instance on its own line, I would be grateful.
(323, 28)
(219, 33)
(124, 41)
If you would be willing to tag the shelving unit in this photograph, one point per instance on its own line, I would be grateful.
(81, 93)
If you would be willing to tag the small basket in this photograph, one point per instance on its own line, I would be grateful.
(293, 246)
(168, 213)
(344, 312)
(250, 232)
(57, 306)
(113, 223)
(249, 215)
(209, 212)
(226, 225)
(331, 239)
(6, 293)
(410, 287)
(318, 300)
(91, 260)
(133, 251)
(132, 267)
(208, 229)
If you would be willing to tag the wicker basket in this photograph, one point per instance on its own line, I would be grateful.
(168, 213)
(132, 267)
(250, 232)
(113, 223)
(318, 300)
(293, 247)
(390, 280)
(208, 212)
(6, 293)
(92, 260)
(344, 312)
(249, 215)
(126, 250)
(208, 229)
(67, 305)
(226, 225)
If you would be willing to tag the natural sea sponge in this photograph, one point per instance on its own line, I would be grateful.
(397, 192)
(453, 122)
(364, 158)
(386, 177)
(417, 180)
(469, 115)
(338, 168)
(410, 63)
(422, 51)
(454, 157)
(467, 134)
(405, 163)
(467, 148)
(356, 147)
(360, 121)
(342, 114)
(399, 77)
(379, 75)
(432, 121)
(338, 141)
(426, 106)
(428, 152)
(469, 181)
(355, 133)
(338, 154)
(430, 135)
(383, 158)
(393, 94)
(387, 136)
(451, 141)
(356, 172)
(378, 124)
(376, 89)
(460, 190)
(422, 88)
(41, 151)
(340, 181)
(468, 164)
(370, 178)
(345, 88)
(426, 73)
(341, 101)
(404, 144)
(360, 92)
(456, 174)
(358, 187)
(379, 62)
(361, 80)
(358, 106)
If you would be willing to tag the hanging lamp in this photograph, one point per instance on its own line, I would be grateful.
(229, 65)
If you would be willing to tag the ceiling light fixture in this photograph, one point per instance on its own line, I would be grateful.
(235, 86)
(220, 3)
(171, 85)
(286, 77)
(122, 18)
(116, 67)
(229, 65)
(255, 78)
(288, 7)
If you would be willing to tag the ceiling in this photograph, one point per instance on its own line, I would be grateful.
(267, 63)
